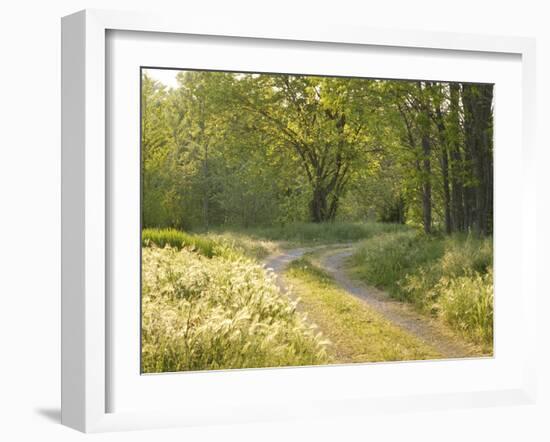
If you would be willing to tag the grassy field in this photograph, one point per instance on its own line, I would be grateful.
(211, 244)
(219, 312)
(309, 234)
(357, 333)
(258, 242)
(449, 277)
(208, 303)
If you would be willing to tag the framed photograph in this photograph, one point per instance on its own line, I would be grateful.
(268, 222)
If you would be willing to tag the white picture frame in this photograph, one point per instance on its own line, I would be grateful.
(85, 209)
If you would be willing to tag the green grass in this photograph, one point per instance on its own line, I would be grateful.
(211, 244)
(321, 233)
(258, 242)
(357, 333)
(466, 303)
(449, 277)
(179, 239)
(385, 260)
(239, 243)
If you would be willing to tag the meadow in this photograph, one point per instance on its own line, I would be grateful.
(218, 311)
(303, 220)
(447, 277)
(209, 303)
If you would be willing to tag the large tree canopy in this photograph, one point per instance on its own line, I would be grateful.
(257, 149)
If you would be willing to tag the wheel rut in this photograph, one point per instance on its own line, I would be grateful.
(333, 259)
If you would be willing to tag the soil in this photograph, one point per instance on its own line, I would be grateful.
(332, 259)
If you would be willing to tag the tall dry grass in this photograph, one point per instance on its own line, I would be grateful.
(202, 313)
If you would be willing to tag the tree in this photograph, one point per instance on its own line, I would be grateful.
(159, 187)
(478, 140)
(323, 121)
(258, 149)
(455, 138)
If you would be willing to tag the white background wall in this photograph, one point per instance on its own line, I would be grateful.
(30, 215)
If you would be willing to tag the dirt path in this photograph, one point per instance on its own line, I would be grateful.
(278, 261)
(401, 314)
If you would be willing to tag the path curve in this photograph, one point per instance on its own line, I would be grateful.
(400, 314)
(277, 262)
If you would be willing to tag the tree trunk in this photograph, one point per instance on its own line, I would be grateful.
(446, 190)
(318, 205)
(333, 208)
(427, 185)
(478, 133)
(444, 161)
(206, 172)
(426, 164)
(456, 163)
(325, 200)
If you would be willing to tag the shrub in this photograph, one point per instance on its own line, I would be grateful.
(218, 313)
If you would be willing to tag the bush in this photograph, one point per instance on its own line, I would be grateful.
(218, 313)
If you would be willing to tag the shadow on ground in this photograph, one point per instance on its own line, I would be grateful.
(51, 414)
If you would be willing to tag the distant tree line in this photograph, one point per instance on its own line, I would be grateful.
(258, 149)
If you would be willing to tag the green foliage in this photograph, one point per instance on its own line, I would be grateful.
(393, 211)
(467, 252)
(218, 313)
(317, 233)
(243, 150)
(386, 260)
(466, 302)
(450, 277)
(178, 239)
(247, 159)
(226, 244)
(160, 195)
(357, 333)
(462, 255)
